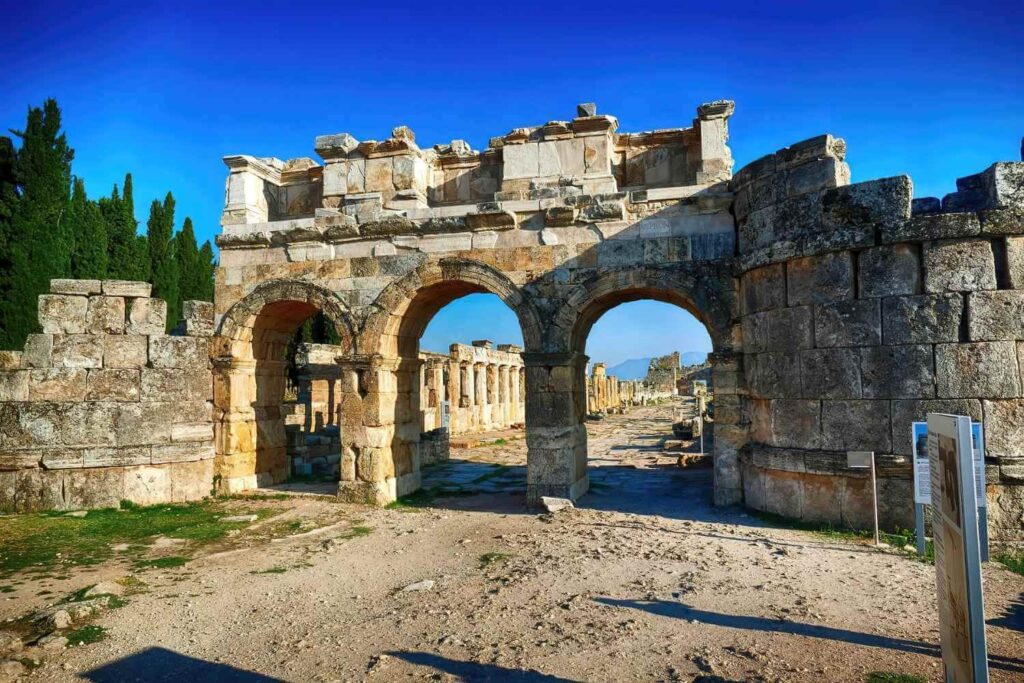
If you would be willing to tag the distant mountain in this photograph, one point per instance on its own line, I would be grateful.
(636, 368)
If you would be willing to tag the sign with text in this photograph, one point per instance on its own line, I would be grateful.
(922, 475)
(957, 555)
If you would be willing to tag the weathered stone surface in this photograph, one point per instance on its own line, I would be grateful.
(112, 385)
(60, 313)
(848, 323)
(856, 425)
(785, 329)
(142, 424)
(1004, 428)
(1002, 221)
(959, 266)
(14, 385)
(774, 375)
(172, 384)
(147, 316)
(762, 289)
(77, 287)
(126, 288)
(182, 452)
(106, 315)
(939, 226)
(188, 353)
(1015, 261)
(905, 412)
(387, 226)
(981, 370)
(88, 424)
(57, 384)
(77, 351)
(889, 270)
(796, 423)
(851, 215)
(198, 317)
(994, 316)
(11, 360)
(38, 351)
(819, 279)
(897, 372)
(924, 319)
(830, 373)
(125, 351)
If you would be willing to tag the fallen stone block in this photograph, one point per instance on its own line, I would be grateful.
(552, 504)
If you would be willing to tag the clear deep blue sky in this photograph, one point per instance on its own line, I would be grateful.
(165, 90)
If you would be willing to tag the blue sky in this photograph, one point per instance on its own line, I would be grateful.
(165, 90)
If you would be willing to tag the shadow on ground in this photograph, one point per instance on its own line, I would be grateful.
(159, 664)
(677, 610)
(472, 671)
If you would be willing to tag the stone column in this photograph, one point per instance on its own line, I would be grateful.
(480, 411)
(493, 406)
(522, 395)
(235, 432)
(730, 433)
(516, 397)
(504, 396)
(556, 437)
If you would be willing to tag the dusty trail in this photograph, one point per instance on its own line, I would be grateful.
(645, 581)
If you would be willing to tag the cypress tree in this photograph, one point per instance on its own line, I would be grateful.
(38, 240)
(164, 268)
(208, 264)
(129, 258)
(8, 202)
(190, 273)
(89, 231)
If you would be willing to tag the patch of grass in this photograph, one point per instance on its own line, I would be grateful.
(6, 589)
(254, 496)
(91, 633)
(897, 540)
(30, 663)
(357, 531)
(272, 570)
(498, 442)
(496, 471)
(893, 677)
(50, 541)
(1014, 560)
(166, 562)
(488, 559)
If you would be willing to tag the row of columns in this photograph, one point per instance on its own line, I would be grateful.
(607, 393)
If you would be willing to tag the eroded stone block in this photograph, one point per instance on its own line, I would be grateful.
(959, 266)
(925, 319)
(897, 372)
(199, 317)
(63, 314)
(112, 385)
(906, 412)
(889, 271)
(830, 373)
(106, 315)
(187, 353)
(147, 316)
(14, 385)
(979, 370)
(77, 351)
(848, 323)
(856, 425)
(997, 315)
(819, 279)
(57, 384)
(763, 289)
(127, 288)
(125, 351)
(1004, 428)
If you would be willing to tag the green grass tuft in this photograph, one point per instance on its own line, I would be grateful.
(357, 531)
(166, 562)
(488, 559)
(893, 677)
(1014, 561)
(91, 633)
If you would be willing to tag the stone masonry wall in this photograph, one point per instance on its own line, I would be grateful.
(103, 406)
(860, 316)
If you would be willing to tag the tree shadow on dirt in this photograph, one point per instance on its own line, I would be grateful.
(160, 664)
(1013, 617)
(677, 610)
(472, 671)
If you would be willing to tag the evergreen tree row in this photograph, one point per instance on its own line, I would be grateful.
(49, 228)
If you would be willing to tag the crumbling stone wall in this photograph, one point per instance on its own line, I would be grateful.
(861, 312)
(103, 406)
(663, 373)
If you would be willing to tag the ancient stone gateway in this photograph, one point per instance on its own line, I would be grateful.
(839, 313)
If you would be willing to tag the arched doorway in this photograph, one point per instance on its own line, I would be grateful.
(250, 378)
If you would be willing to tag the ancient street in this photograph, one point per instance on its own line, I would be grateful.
(644, 580)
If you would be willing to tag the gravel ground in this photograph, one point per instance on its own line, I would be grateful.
(644, 581)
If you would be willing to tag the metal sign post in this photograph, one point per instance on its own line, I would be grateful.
(866, 460)
(957, 554)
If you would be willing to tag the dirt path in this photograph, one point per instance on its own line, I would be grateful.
(645, 581)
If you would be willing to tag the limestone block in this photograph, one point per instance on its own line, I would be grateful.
(127, 288)
(897, 372)
(409, 173)
(785, 329)
(11, 460)
(889, 271)
(191, 480)
(11, 360)
(147, 316)
(29, 425)
(1002, 221)
(57, 384)
(192, 431)
(182, 452)
(63, 458)
(105, 315)
(773, 375)
(77, 287)
(848, 323)
(1015, 261)
(995, 315)
(521, 161)
(141, 424)
(763, 288)
(355, 175)
(61, 313)
(112, 385)
(77, 351)
(188, 353)
(88, 424)
(818, 174)
(819, 279)
(172, 384)
(147, 485)
(199, 318)
(14, 385)
(856, 425)
(116, 457)
(335, 179)
(959, 266)
(924, 319)
(906, 412)
(1004, 428)
(979, 370)
(38, 351)
(830, 373)
(850, 215)
(822, 499)
(596, 154)
(796, 423)
(937, 226)
(100, 487)
(125, 351)
(374, 464)
(380, 175)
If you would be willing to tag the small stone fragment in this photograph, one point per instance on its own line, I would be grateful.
(424, 585)
(556, 504)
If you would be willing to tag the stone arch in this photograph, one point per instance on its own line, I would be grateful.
(709, 293)
(403, 309)
(250, 381)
